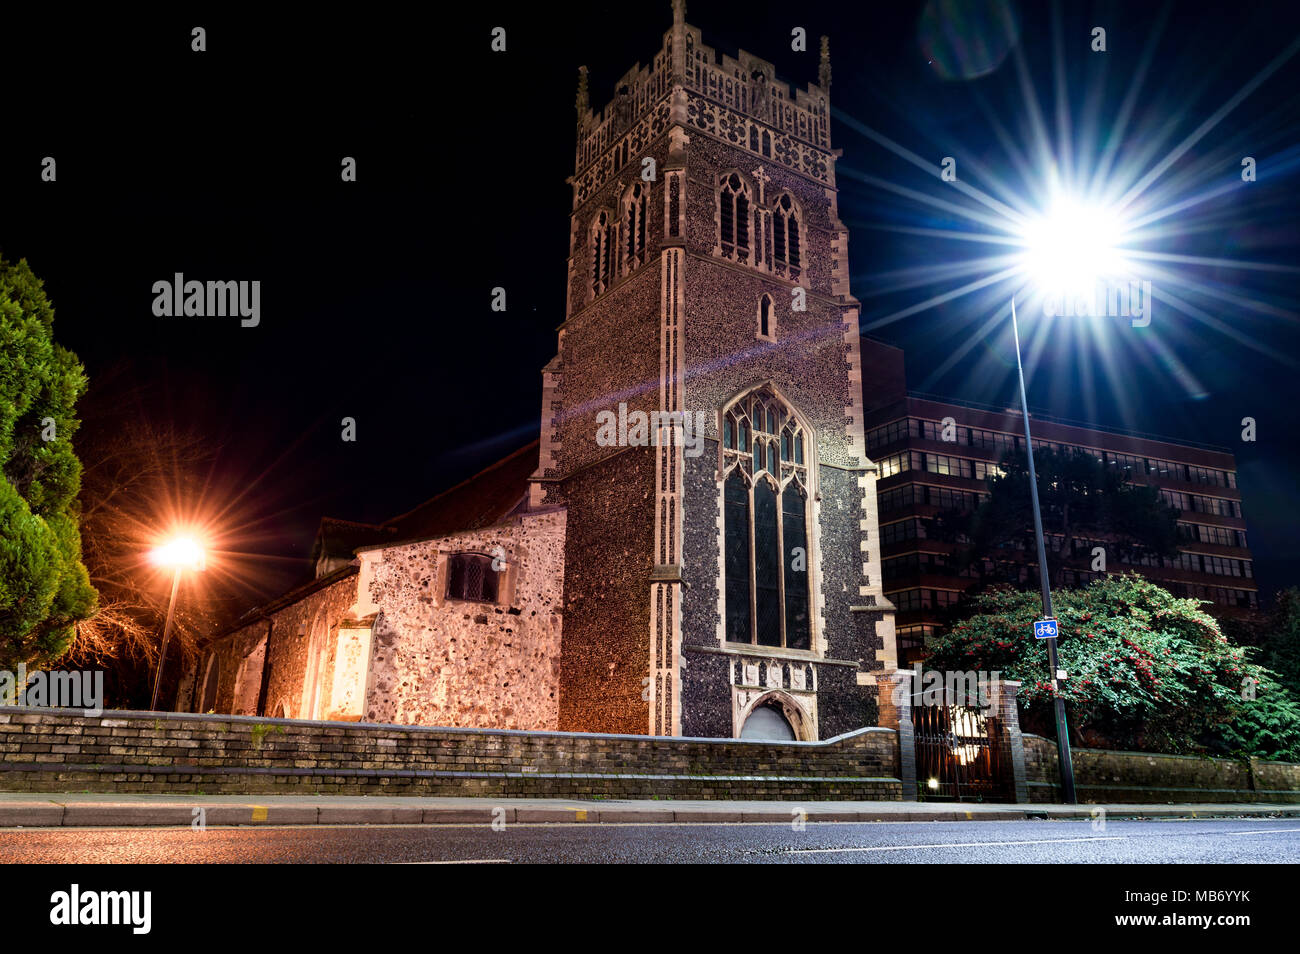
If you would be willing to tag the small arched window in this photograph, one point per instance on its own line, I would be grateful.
(635, 229)
(766, 319)
(787, 246)
(602, 252)
(733, 217)
(470, 577)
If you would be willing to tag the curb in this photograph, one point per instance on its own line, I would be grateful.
(89, 815)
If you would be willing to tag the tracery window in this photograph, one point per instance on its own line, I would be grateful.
(602, 252)
(786, 245)
(733, 217)
(635, 227)
(766, 513)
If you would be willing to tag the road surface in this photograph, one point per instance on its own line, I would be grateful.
(1238, 841)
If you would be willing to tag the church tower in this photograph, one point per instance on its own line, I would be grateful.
(702, 418)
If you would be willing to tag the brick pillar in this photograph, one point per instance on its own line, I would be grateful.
(894, 698)
(1002, 708)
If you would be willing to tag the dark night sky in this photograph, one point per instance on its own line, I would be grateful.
(375, 295)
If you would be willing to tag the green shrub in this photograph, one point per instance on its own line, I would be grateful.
(1147, 671)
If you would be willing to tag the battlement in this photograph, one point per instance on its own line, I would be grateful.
(636, 93)
(749, 85)
(745, 84)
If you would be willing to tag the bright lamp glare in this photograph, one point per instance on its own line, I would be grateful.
(181, 552)
(1072, 248)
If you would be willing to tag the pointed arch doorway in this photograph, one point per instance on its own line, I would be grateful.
(776, 717)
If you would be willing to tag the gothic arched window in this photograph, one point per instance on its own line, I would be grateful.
(733, 216)
(786, 244)
(765, 519)
(766, 318)
(635, 229)
(602, 252)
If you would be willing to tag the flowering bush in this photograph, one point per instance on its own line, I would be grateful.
(1147, 671)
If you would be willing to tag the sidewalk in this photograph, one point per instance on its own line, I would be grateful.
(29, 810)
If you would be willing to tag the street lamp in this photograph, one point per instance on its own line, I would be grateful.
(1062, 729)
(180, 554)
(1068, 252)
(1073, 247)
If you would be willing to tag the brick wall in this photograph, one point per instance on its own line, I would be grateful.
(60, 750)
(1144, 777)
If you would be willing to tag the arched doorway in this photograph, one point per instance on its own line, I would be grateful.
(776, 717)
(767, 722)
(313, 689)
(208, 701)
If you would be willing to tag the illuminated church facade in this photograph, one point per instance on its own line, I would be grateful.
(708, 566)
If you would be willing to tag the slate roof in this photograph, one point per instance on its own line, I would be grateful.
(485, 499)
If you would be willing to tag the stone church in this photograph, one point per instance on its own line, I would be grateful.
(708, 567)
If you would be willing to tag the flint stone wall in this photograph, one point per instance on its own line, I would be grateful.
(440, 661)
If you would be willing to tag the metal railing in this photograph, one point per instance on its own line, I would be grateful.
(957, 754)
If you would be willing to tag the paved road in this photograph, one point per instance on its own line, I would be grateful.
(1121, 842)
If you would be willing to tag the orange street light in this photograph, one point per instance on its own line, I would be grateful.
(183, 553)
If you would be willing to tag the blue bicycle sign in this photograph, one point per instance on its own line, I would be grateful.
(1045, 629)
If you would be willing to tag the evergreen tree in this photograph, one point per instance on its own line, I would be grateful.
(1280, 641)
(44, 588)
(1084, 504)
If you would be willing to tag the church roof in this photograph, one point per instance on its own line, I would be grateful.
(485, 499)
(339, 538)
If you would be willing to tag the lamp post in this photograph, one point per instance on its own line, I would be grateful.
(1062, 728)
(180, 554)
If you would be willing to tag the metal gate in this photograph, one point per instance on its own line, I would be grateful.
(958, 757)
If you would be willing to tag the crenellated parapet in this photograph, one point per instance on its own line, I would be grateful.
(737, 99)
(747, 87)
